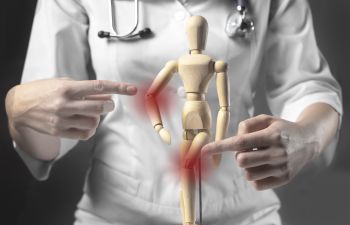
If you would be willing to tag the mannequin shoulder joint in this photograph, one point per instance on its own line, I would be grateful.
(220, 66)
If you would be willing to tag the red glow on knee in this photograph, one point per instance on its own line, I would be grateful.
(179, 167)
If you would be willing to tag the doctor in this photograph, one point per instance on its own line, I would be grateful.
(131, 180)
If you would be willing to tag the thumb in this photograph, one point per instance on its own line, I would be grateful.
(254, 124)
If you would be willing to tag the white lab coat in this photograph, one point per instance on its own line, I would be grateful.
(130, 180)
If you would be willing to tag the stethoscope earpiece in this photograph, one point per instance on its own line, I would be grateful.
(104, 34)
(144, 33)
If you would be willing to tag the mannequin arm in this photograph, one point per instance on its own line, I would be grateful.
(223, 90)
(152, 107)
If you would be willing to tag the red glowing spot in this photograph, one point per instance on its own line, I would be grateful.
(164, 100)
(178, 167)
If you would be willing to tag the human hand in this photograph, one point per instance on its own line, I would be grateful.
(62, 107)
(270, 150)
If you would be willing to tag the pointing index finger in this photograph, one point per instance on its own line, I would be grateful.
(242, 142)
(94, 87)
(218, 147)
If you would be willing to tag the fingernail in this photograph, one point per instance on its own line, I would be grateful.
(108, 106)
(131, 90)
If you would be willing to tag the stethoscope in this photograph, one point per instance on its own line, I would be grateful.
(239, 24)
(144, 33)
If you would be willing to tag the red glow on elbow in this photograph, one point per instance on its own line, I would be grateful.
(164, 100)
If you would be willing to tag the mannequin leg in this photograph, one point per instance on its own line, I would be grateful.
(188, 195)
(188, 180)
(185, 146)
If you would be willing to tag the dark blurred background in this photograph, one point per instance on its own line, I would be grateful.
(321, 199)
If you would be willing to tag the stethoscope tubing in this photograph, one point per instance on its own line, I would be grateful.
(114, 25)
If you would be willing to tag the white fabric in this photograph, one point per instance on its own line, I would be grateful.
(129, 181)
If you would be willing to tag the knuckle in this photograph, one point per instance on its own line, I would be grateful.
(282, 154)
(54, 131)
(64, 89)
(267, 131)
(59, 121)
(266, 157)
(53, 128)
(276, 136)
(266, 118)
(283, 169)
(95, 121)
(257, 186)
(99, 108)
(241, 141)
(54, 121)
(99, 85)
(83, 136)
(243, 126)
(242, 160)
(279, 155)
(92, 132)
(86, 135)
(249, 175)
(122, 87)
(59, 106)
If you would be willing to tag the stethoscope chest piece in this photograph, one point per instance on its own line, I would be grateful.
(239, 23)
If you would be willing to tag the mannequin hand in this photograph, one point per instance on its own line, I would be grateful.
(62, 107)
(163, 133)
(270, 150)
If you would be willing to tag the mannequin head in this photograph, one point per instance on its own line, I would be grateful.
(197, 31)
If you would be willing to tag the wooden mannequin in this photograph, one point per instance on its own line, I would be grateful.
(195, 70)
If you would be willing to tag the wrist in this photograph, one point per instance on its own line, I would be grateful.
(158, 127)
(14, 111)
(320, 121)
(16, 124)
(311, 138)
